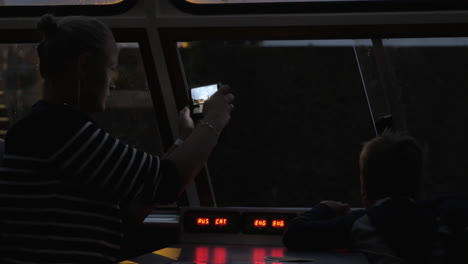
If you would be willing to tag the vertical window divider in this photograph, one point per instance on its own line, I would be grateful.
(393, 93)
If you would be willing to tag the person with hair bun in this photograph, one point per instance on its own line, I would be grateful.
(68, 211)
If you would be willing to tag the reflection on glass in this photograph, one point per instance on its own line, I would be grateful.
(219, 255)
(263, 255)
(202, 254)
(277, 252)
(300, 117)
(258, 255)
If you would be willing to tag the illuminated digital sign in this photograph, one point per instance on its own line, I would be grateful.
(278, 223)
(272, 223)
(221, 221)
(260, 223)
(211, 221)
(203, 221)
(266, 223)
(233, 222)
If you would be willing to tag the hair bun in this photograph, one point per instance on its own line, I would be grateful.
(47, 26)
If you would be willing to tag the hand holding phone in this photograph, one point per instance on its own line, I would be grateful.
(198, 97)
(217, 106)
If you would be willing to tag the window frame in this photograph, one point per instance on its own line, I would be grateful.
(170, 36)
(319, 7)
(67, 10)
(140, 36)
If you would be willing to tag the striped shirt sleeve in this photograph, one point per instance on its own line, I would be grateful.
(100, 161)
(80, 152)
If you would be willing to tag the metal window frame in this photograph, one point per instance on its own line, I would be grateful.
(170, 37)
(320, 7)
(67, 10)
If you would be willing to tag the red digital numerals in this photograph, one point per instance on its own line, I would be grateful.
(203, 221)
(277, 223)
(221, 221)
(260, 223)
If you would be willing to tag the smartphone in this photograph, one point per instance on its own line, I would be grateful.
(198, 97)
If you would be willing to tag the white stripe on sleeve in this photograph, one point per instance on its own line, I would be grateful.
(156, 176)
(143, 160)
(80, 150)
(116, 165)
(70, 141)
(109, 154)
(124, 174)
(93, 155)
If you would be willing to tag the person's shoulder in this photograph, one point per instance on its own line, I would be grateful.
(46, 126)
(57, 112)
(46, 118)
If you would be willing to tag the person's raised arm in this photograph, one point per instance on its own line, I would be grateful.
(190, 156)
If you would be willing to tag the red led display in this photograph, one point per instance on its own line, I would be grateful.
(221, 221)
(277, 223)
(250, 222)
(260, 223)
(203, 221)
(211, 221)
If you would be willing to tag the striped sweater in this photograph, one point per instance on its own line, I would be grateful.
(61, 186)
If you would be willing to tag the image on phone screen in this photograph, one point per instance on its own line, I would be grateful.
(200, 95)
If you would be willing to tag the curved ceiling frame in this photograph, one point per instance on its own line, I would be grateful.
(158, 24)
(67, 10)
(319, 6)
(174, 24)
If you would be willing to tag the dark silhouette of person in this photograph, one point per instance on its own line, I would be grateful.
(394, 227)
(67, 210)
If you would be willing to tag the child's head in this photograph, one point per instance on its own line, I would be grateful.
(84, 51)
(391, 165)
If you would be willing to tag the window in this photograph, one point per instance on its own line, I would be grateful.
(314, 6)
(302, 113)
(204, 2)
(129, 116)
(301, 116)
(57, 2)
(428, 77)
